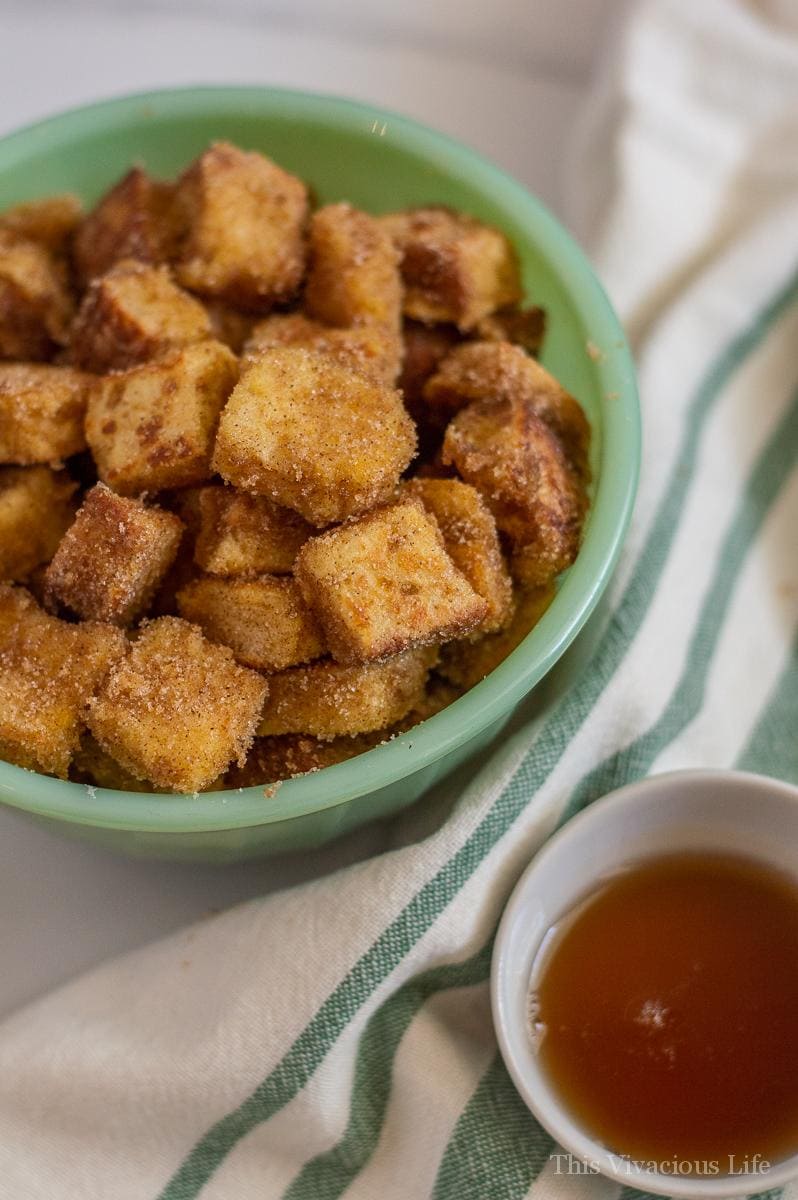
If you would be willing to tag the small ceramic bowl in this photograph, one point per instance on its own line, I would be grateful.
(379, 161)
(722, 811)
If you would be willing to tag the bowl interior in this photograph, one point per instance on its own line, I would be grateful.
(379, 161)
(726, 812)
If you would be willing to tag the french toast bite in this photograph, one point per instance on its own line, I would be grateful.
(36, 509)
(329, 700)
(36, 305)
(112, 558)
(178, 708)
(245, 219)
(49, 670)
(133, 314)
(312, 436)
(512, 457)
(353, 276)
(51, 220)
(472, 543)
(264, 621)
(454, 268)
(464, 663)
(132, 220)
(384, 583)
(41, 412)
(371, 350)
(504, 373)
(241, 534)
(153, 426)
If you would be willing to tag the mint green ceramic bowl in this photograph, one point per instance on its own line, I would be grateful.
(379, 161)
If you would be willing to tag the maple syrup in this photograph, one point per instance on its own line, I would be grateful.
(664, 1010)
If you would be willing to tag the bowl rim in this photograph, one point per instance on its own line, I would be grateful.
(581, 586)
(539, 1096)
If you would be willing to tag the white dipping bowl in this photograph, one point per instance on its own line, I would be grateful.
(727, 812)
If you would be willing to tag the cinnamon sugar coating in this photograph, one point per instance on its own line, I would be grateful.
(313, 436)
(36, 507)
(49, 671)
(264, 621)
(178, 708)
(112, 558)
(330, 700)
(384, 583)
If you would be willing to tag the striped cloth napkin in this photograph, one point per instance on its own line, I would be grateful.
(336, 1040)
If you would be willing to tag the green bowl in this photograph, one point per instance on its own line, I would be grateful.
(379, 161)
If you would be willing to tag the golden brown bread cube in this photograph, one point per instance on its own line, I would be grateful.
(132, 220)
(240, 534)
(454, 268)
(265, 621)
(153, 426)
(465, 663)
(312, 436)
(472, 543)
(51, 220)
(372, 350)
(35, 302)
(246, 221)
(94, 766)
(512, 457)
(112, 558)
(41, 412)
(524, 327)
(132, 314)
(91, 765)
(353, 276)
(504, 373)
(178, 709)
(384, 583)
(329, 700)
(273, 759)
(36, 509)
(49, 671)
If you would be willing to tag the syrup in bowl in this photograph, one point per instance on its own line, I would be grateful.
(664, 1012)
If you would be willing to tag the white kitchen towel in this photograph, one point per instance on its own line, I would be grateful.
(335, 1040)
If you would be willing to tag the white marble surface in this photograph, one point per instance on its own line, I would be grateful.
(508, 76)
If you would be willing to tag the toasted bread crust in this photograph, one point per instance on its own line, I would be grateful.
(264, 621)
(178, 708)
(472, 542)
(512, 457)
(36, 508)
(132, 314)
(41, 412)
(135, 219)
(329, 700)
(353, 277)
(454, 267)
(312, 436)
(502, 372)
(384, 584)
(244, 535)
(111, 560)
(36, 305)
(153, 426)
(245, 219)
(49, 671)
